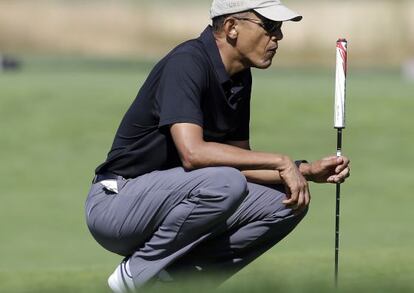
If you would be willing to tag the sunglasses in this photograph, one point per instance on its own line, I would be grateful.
(269, 26)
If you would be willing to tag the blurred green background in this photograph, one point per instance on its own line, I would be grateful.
(80, 70)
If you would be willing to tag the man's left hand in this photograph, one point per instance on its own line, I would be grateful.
(330, 169)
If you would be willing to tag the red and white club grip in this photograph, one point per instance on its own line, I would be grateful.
(340, 83)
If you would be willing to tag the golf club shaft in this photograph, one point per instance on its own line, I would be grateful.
(337, 210)
(339, 124)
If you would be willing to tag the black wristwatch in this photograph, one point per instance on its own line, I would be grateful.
(298, 162)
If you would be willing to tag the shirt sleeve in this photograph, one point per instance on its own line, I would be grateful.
(180, 90)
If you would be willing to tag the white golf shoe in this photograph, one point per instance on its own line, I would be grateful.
(121, 279)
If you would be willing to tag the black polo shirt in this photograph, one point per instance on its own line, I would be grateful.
(189, 85)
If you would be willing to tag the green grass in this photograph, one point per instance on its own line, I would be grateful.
(58, 119)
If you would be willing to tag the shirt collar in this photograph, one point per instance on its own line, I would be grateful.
(207, 38)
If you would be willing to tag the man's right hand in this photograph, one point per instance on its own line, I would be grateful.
(297, 188)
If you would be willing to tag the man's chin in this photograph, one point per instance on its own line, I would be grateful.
(264, 64)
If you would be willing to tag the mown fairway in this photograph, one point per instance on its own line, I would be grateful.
(57, 123)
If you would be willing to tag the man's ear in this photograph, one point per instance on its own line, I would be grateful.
(233, 33)
(230, 29)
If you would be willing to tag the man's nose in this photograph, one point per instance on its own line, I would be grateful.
(277, 35)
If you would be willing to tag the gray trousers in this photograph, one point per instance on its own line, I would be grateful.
(209, 218)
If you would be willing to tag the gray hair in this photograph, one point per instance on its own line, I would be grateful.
(218, 21)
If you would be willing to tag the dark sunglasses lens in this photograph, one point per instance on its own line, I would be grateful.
(272, 26)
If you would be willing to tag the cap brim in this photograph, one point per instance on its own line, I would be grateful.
(278, 13)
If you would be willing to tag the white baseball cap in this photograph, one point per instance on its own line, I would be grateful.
(271, 9)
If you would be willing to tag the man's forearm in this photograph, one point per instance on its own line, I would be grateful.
(216, 154)
(263, 176)
(272, 176)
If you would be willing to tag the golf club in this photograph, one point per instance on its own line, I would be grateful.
(339, 124)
